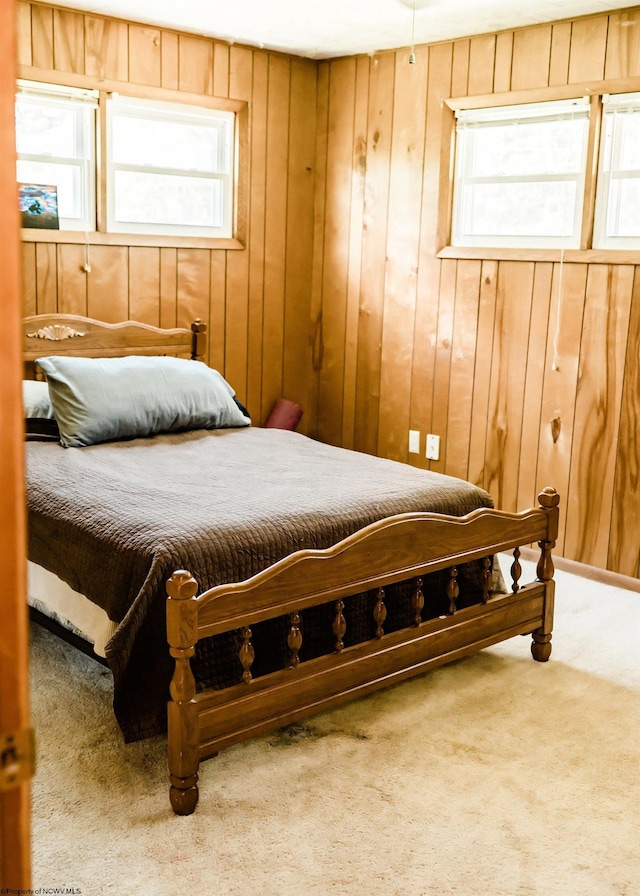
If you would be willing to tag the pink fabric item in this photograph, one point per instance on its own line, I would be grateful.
(285, 415)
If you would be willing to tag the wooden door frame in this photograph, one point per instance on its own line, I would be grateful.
(15, 871)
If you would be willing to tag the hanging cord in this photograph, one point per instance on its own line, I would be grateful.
(412, 54)
(87, 264)
(556, 335)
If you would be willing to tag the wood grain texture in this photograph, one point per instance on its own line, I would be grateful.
(255, 299)
(340, 296)
(15, 846)
(624, 547)
(531, 54)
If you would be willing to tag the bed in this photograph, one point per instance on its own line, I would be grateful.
(248, 576)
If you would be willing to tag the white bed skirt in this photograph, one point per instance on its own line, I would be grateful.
(53, 597)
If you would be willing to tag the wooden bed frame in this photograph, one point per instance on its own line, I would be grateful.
(399, 548)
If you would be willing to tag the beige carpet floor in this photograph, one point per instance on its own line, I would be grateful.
(493, 776)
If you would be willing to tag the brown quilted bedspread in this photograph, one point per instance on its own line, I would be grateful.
(115, 520)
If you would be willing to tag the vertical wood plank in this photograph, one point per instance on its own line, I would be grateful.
(72, 280)
(482, 373)
(482, 53)
(460, 68)
(240, 62)
(403, 240)
(42, 36)
(46, 271)
(169, 60)
(354, 274)
(463, 356)
(426, 320)
(221, 70)
(29, 290)
(336, 245)
(145, 55)
(597, 412)
(217, 313)
(623, 45)
(68, 41)
(106, 48)
(257, 216)
(504, 57)
(275, 230)
(380, 119)
(508, 368)
(531, 55)
(23, 33)
(237, 263)
(144, 285)
(168, 287)
(560, 47)
(442, 366)
(560, 382)
(534, 377)
(193, 282)
(624, 547)
(108, 284)
(195, 64)
(299, 251)
(588, 46)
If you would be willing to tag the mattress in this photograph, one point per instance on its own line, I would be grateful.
(113, 521)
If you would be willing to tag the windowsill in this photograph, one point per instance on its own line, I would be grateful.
(583, 256)
(97, 238)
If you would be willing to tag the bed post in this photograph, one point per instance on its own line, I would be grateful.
(199, 340)
(183, 722)
(548, 500)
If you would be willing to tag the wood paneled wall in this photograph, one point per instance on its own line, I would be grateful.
(340, 300)
(255, 301)
(462, 347)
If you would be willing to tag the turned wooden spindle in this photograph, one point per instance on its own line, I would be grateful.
(247, 654)
(339, 626)
(379, 613)
(516, 571)
(487, 567)
(294, 640)
(417, 603)
(548, 500)
(183, 720)
(453, 590)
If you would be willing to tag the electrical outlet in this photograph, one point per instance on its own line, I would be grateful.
(414, 441)
(433, 447)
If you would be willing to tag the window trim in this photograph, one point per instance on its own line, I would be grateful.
(595, 90)
(237, 241)
(86, 165)
(469, 122)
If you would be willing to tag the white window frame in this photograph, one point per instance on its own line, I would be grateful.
(470, 119)
(85, 104)
(222, 169)
(616, 109)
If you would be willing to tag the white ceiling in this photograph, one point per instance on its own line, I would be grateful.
(326, 28)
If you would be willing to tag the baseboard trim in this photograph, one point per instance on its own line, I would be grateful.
(605, 576)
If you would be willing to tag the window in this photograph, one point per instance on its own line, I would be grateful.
(55, 141)
(169, 168)
(520, 175)
(617, 222)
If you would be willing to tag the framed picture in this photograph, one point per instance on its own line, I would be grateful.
(39, 206)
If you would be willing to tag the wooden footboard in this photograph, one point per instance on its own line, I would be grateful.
(403, 547)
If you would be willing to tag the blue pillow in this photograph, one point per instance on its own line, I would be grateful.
(36, 400)
(105, 399)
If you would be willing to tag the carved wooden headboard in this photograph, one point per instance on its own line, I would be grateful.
(70, 334)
